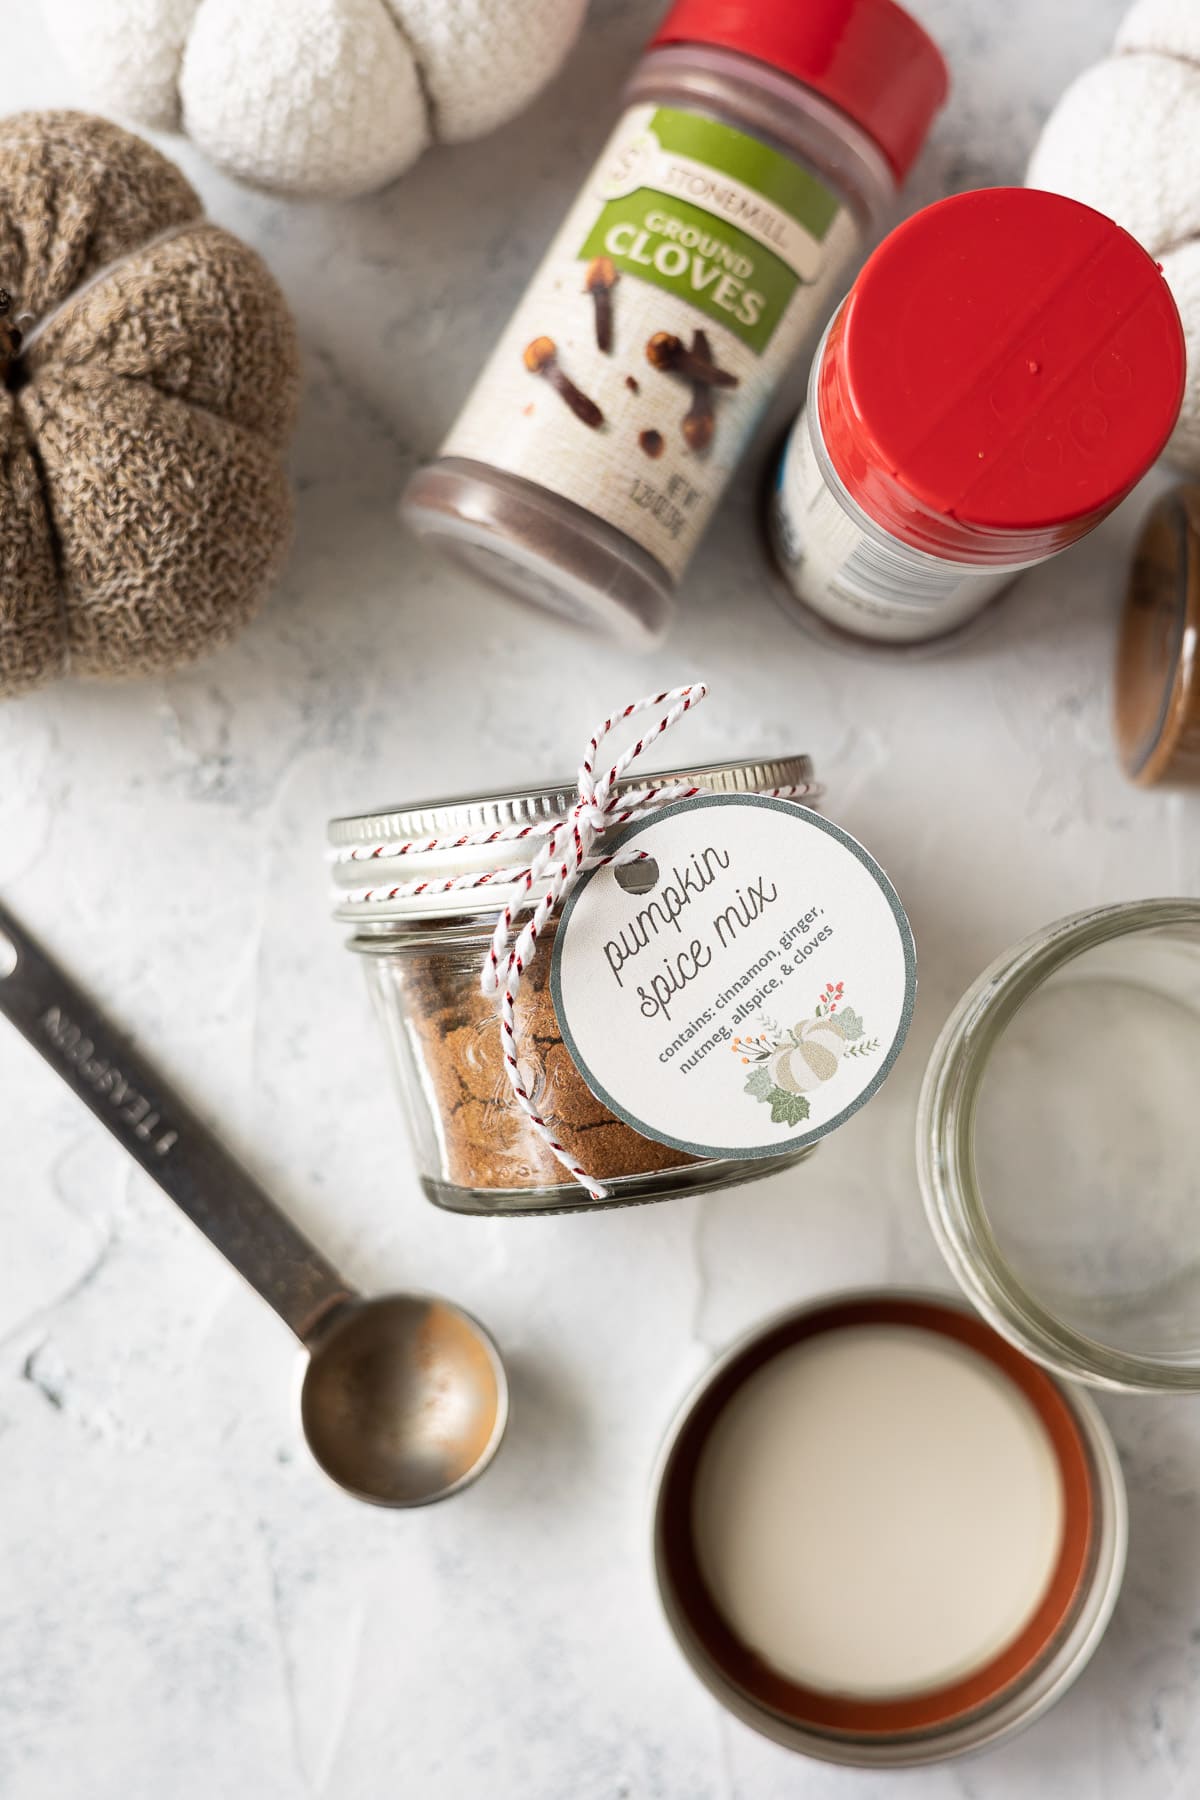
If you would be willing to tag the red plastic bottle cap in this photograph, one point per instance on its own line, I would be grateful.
(868, 57)
(1007, 366)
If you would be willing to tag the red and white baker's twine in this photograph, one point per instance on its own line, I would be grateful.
(566, 853)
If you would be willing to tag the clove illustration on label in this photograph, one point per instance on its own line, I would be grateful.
(541, 358)
(698, 366)
(599, 282)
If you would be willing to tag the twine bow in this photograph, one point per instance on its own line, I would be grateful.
(568, 851)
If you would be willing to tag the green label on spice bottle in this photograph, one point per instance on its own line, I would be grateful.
(715, 217)
(685, 278)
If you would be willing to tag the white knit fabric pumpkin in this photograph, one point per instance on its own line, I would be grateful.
(316, 96)
(1125, 138)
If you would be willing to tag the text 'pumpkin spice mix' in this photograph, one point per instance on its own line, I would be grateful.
(149, 376)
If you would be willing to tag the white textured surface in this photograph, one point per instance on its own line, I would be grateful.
(186, 1608)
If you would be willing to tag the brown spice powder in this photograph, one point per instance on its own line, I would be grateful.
(487, 1141)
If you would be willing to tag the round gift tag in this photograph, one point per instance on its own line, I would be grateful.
(744, 989)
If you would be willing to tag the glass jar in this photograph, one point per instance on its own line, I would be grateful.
(1157, 683)
(475, 1148)
(758, 145)
(1058, 1146)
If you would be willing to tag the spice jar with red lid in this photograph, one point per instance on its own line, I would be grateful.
(1005, 369)
(758, 145)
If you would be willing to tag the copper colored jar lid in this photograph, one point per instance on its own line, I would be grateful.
(1157, 688)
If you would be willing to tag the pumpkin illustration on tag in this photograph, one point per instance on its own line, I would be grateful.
(809, 1060)
(790, 1065)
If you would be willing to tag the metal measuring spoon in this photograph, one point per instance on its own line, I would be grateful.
(405, 1398)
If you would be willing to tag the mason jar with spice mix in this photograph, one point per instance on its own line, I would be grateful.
(420, 887)
(758, 145)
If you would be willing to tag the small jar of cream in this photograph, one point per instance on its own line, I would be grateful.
(757, 147)
(1006, 367)
(883, 1537)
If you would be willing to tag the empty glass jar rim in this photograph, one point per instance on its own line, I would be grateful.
(954, 1204)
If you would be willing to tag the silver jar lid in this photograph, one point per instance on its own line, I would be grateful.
(369, 858)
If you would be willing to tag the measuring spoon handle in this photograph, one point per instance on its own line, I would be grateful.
(164, 1135)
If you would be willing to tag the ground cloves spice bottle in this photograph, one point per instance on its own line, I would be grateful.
(759, 144)
(475, 1149)
(1003, 372)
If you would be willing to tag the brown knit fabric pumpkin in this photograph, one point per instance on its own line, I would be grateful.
(144, 509)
